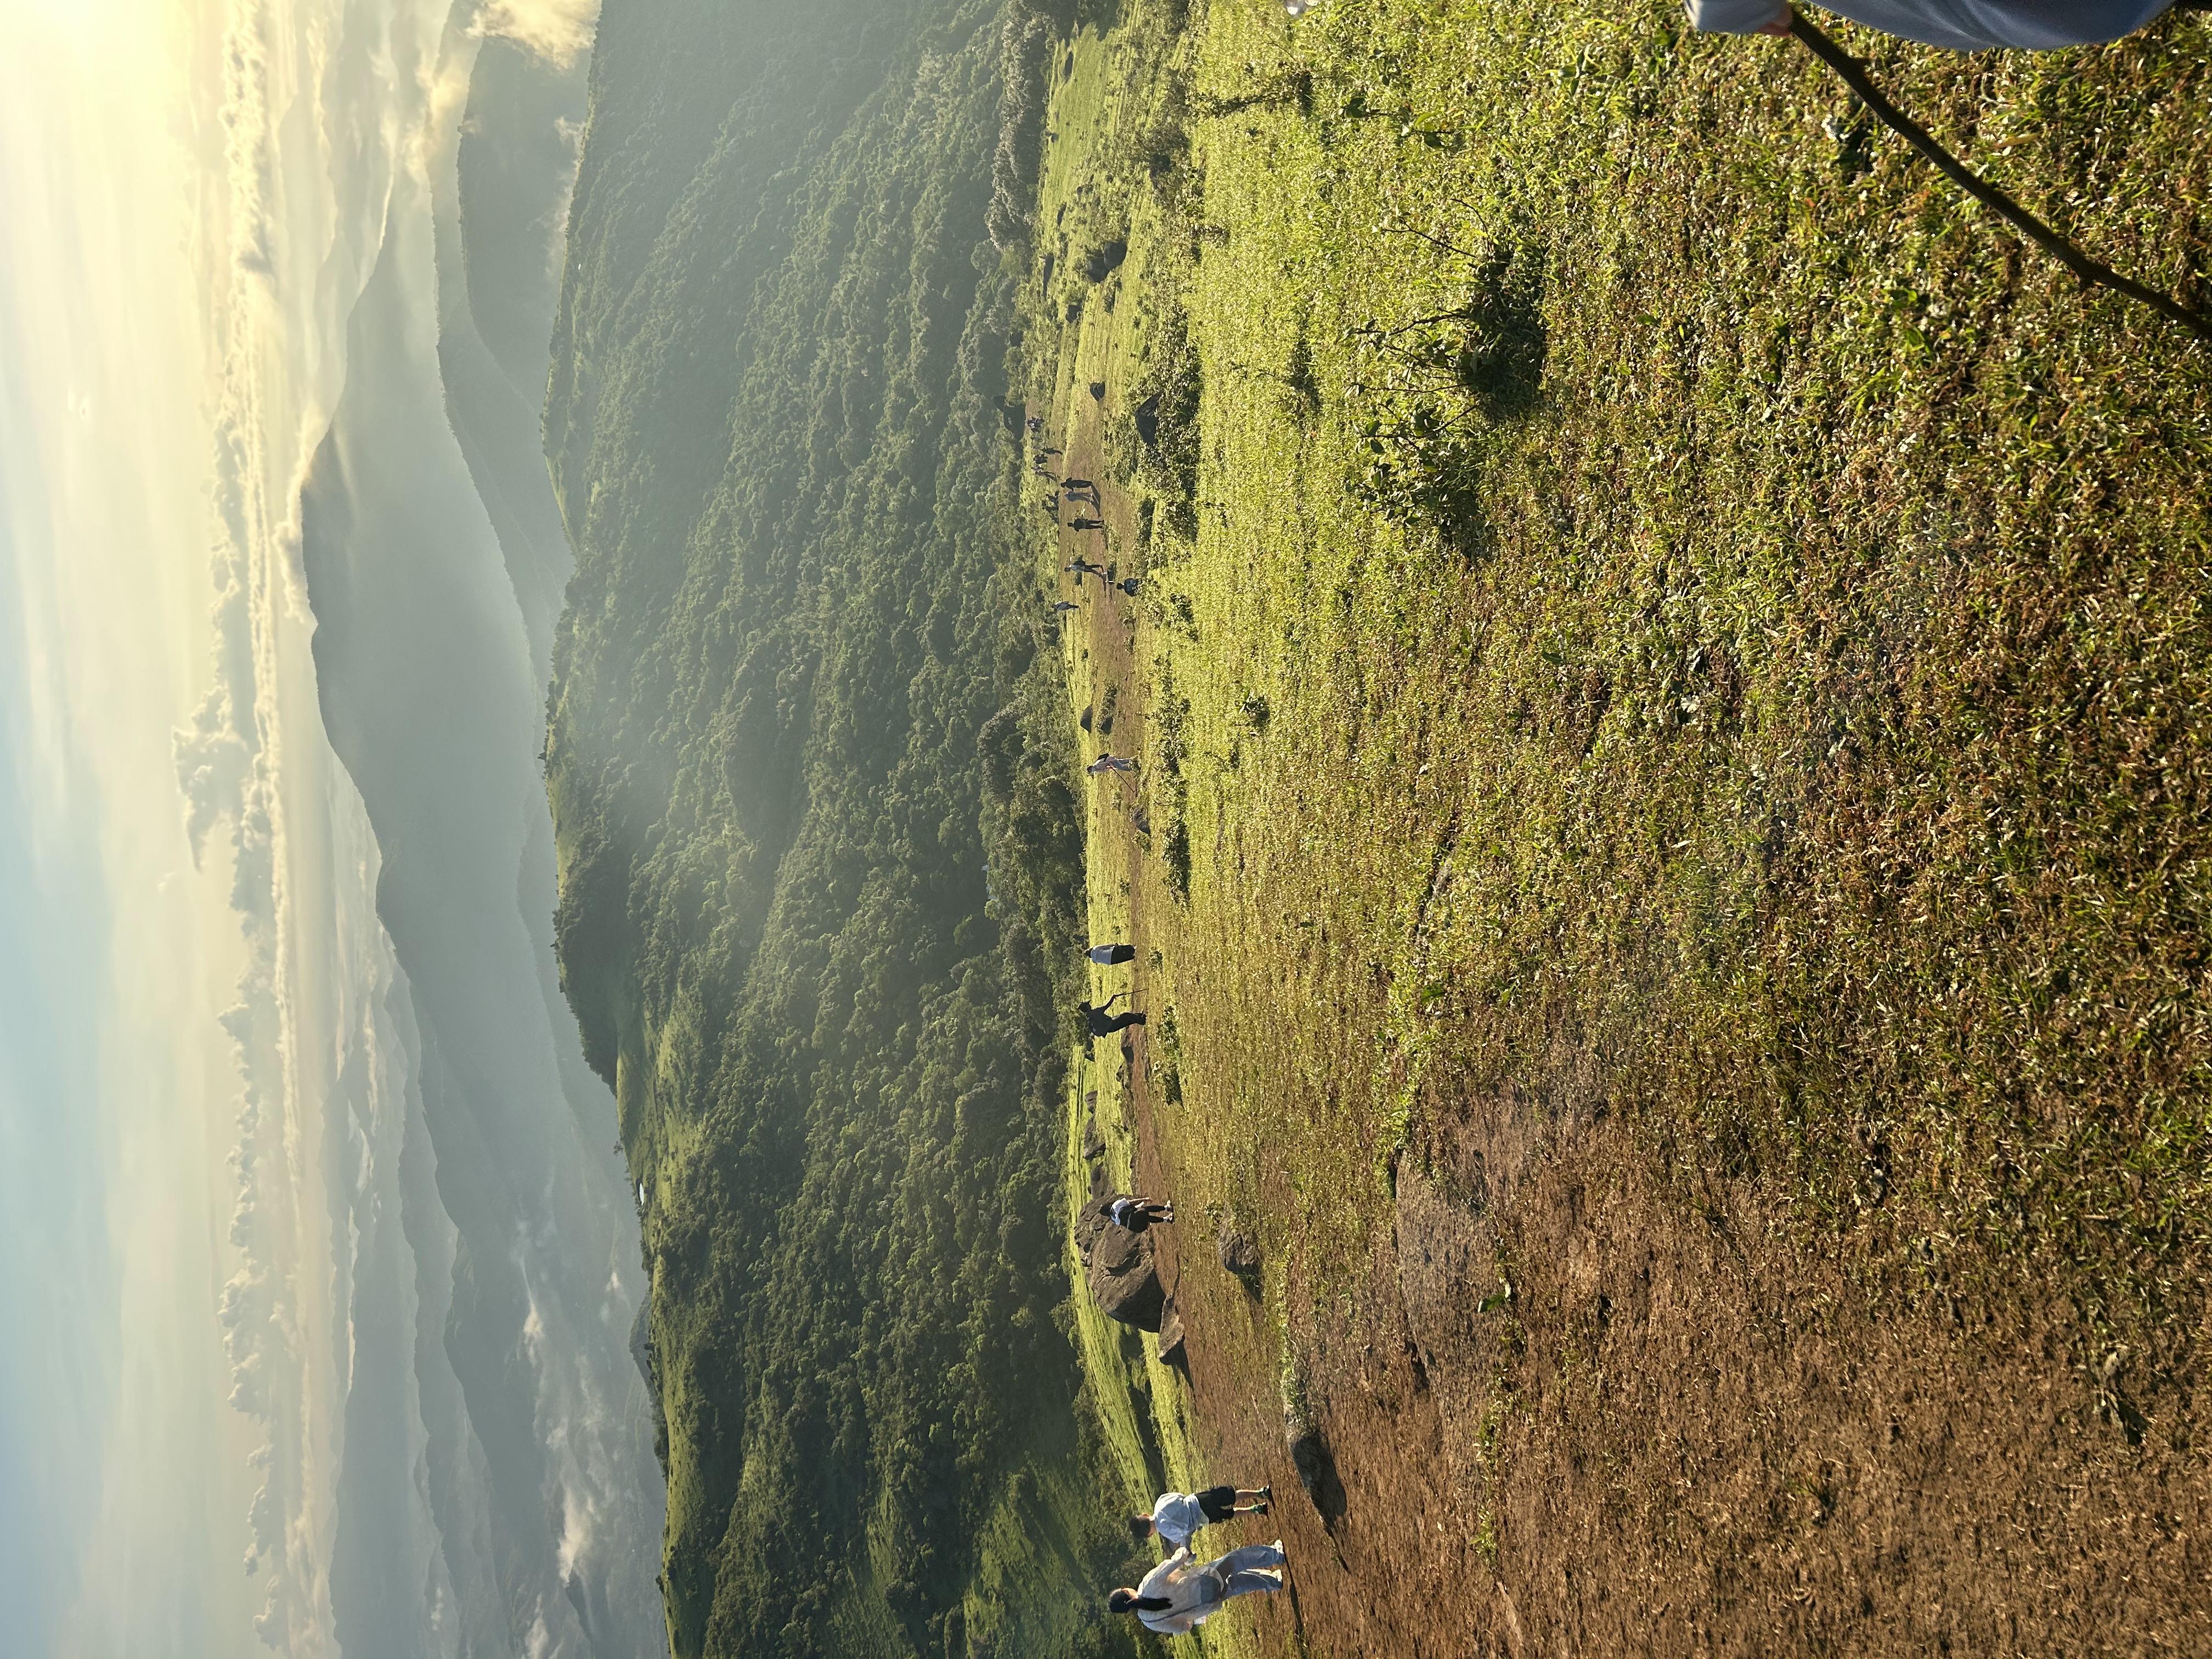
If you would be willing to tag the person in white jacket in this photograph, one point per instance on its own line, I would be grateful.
(1963, 25)
(1180, 1594)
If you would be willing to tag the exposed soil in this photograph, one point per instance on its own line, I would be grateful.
(1677, 1434)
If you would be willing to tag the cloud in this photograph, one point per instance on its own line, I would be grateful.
(571, 134)
(559, 31)
(215, 754)
(211, 768)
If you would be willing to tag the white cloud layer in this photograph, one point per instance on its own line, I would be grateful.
(224, 180)
(559, 31)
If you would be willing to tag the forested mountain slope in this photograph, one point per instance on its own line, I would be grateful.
(814, 948)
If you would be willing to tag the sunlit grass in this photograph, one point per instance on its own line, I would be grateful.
(1796, 736)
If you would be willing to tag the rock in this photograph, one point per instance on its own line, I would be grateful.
(1124, 1278)
(1171, 1351)
(1239, 1252)
(641, 1341)
(1094, 1143)
(1309, 1455)
(1147, 417)
(1105, 260)
(1090, 1220)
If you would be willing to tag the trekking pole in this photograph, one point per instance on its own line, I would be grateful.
(2095, 271)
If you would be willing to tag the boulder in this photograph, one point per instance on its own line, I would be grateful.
(1094, 1143)
(1146, 415)
(1125, 1280)
(1239, 1252)
(1090, 1220)
(1302, 1440)
(1309, 1455)
(1171, 1351)
(641, 1341)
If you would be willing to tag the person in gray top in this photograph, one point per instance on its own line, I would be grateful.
(1962, 25)
(1178, 1516)
(1135, 1214)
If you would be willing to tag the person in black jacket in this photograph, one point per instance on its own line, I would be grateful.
(1102, 1023)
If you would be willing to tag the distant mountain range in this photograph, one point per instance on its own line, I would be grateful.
(492, 1386)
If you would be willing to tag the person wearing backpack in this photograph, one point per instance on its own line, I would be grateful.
(1182, 1593)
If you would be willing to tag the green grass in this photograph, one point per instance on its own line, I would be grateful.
(1117, 1362)
(1143, 1408)
(1744, 661)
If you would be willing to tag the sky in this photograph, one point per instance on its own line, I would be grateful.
(117, 1461)
(225, 1252)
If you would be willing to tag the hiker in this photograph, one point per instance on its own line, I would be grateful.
(1083, 567)
(1962, 25)
(1106, 763)
(1079, 484)
(1179, 1595)
(1034, 423)
(1111, 955)
(1129, 585)
(1134, 1215)
(1087, 524)
(1178, 1516)
(1061, 607)
(1102, 1023)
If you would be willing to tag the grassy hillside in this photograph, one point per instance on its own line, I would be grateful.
(1662, 628)
(1715, 601)
(820, 869)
